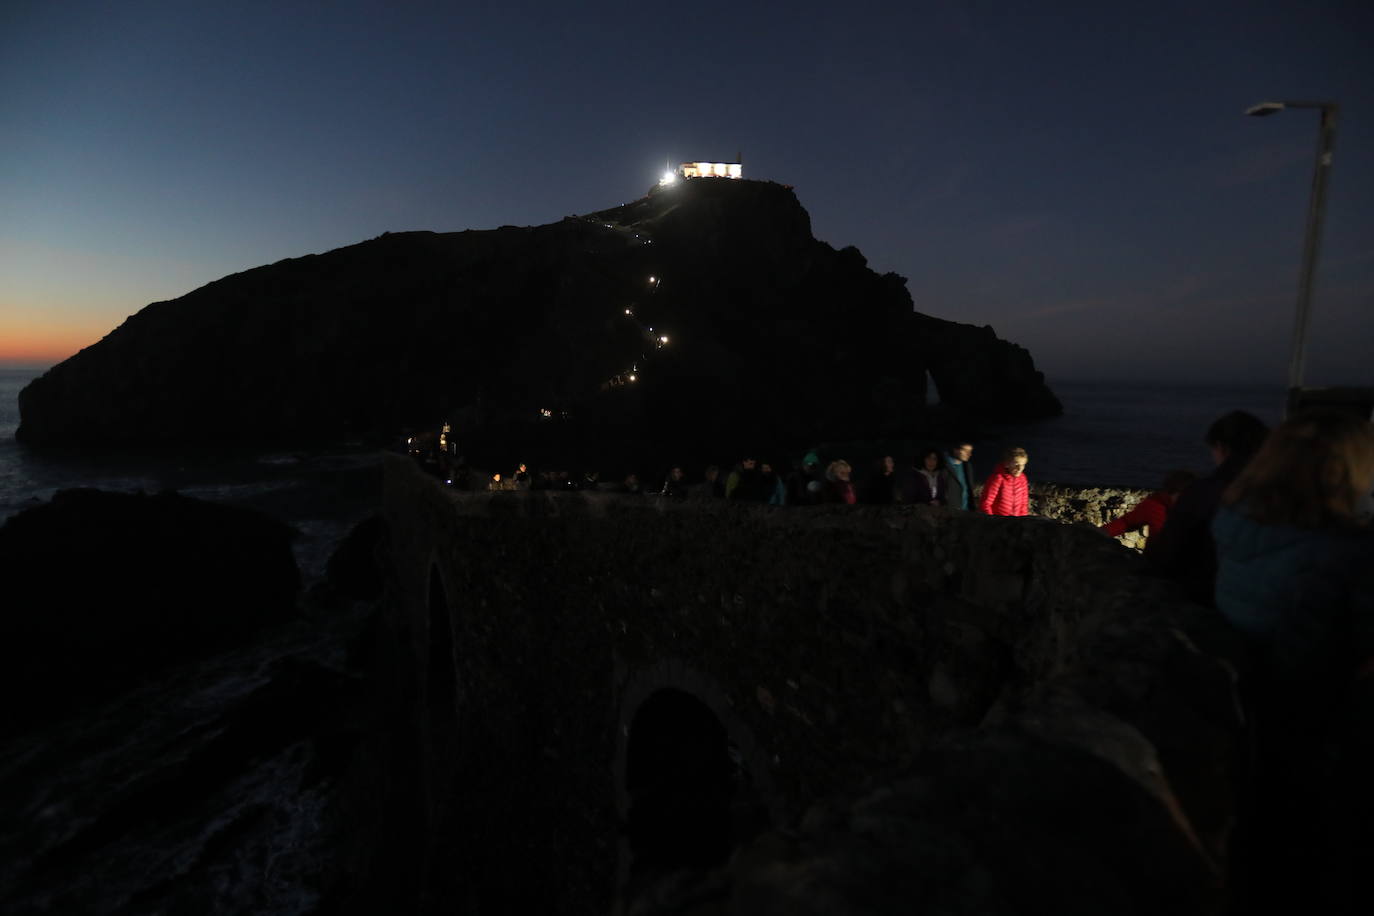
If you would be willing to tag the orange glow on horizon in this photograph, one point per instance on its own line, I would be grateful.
(39, 346)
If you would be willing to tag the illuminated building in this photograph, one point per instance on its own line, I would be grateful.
(711, 170)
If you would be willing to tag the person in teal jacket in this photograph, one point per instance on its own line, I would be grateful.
(1295, 576)
(961, 474)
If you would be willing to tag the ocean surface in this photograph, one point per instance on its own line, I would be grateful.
(1126, 433)
(1111, 434)
(321, 493)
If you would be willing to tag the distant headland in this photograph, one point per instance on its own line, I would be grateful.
(704, 311)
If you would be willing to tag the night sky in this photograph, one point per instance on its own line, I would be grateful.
(1084, 181)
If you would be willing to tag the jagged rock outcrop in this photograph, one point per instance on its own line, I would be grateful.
(237, 775)
(774, 338)
(1095, 506)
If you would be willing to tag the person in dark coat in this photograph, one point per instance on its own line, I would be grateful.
(674, 485)
(711, 486)
(931, 483)
(745, 483)
(880, 489)
(806, 485)
(1184, 550)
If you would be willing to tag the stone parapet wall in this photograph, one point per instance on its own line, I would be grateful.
(944, 696)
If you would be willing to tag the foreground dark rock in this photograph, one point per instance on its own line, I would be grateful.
(103, 590)
(250, 779)
(775, 338)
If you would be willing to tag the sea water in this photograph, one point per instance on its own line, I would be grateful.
(1111, 434)
(321, 493)
(1126, 434)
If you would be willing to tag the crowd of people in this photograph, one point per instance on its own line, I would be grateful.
(935, 477)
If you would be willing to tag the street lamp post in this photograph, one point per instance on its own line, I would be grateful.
(1316, 206)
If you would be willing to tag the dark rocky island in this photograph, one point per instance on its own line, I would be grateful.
(775, 339)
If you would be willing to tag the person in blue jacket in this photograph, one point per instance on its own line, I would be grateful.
(1295, 576)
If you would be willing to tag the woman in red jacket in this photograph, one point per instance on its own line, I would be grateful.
(1153, 510)
(1007, 491)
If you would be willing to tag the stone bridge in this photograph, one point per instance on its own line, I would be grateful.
(637, 705)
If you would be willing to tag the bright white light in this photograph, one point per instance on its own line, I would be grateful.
(628, 312)
(632, 378)
(668, 178)
(651, 279)
(663, 339)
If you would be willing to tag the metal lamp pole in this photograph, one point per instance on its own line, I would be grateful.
(1316, 206)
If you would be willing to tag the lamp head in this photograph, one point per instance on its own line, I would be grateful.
(1264, 109)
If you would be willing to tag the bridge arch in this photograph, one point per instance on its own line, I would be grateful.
(692, 783)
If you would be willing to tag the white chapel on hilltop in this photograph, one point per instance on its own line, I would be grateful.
(711, 170)
(704, 170)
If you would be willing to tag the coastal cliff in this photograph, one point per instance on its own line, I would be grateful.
(546, 337)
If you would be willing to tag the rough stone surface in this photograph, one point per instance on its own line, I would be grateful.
(489, 328)
(936, 711)
(1093, 506)
(272, 777)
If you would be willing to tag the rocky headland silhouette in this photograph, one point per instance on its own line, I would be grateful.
(526, 339)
